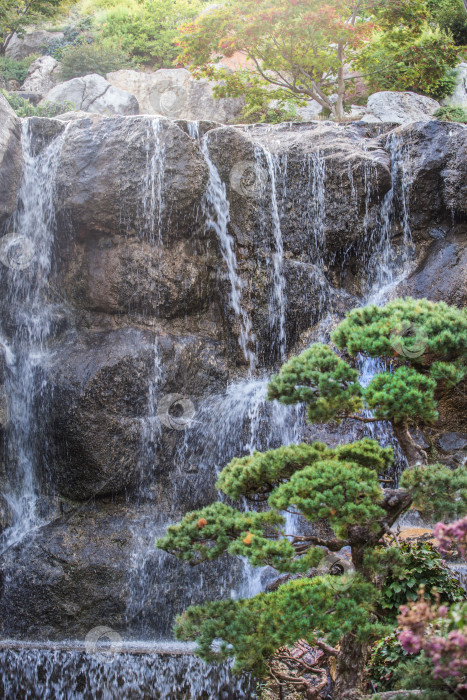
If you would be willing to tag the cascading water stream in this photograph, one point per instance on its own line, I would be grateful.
(385, 270)
(144, 532)
(217, 212)
(277, 168)
(152, 205)
(25, 275)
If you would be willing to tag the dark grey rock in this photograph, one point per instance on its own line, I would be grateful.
(75, 574)
(450, 442)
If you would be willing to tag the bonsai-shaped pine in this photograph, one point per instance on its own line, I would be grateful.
(340, 486)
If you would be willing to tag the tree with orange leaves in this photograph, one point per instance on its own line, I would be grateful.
(296, 50)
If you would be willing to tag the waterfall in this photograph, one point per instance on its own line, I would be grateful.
(24, 275)
(278, 307)
(163, 672)
(232, 420)
(217, 212)
(236, 423)
(152, 206)
(144, 531)
(385, 270)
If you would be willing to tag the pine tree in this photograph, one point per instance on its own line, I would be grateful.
(425, 348)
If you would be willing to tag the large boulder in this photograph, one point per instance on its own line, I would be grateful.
(400, 107)
(432, 169)
(110, 166)
(43, 75)
(459, 96)
(101, 401)
(10, 158)
(442, 273)
(173, 93)
(92, 93)
(32, 42)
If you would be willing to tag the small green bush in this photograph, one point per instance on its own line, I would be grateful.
(267, 115)
(74, 34)
(100, 58)
(385, 657)
(452, 114)
(15, 70)
(24, 108)
(421, 566)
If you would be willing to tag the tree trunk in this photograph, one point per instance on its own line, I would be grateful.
(413, 452)
(339, 108)
(5, 42)
(350, 669)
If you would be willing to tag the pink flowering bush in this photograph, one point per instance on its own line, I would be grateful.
(439, 632)
(452, 534)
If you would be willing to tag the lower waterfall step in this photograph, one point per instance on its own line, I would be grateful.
(125, 671)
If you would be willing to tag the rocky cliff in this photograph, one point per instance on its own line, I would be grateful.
(160, 271)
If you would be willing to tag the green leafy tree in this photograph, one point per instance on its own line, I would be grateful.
(421, 61)
(340, 486)
(99, 57)
(146, 29)
(296, 50)
(451, 15)
(15, 15)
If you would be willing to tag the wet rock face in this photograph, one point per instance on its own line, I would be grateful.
(99, 389)
(442, 272)
(435, 155)
(105, 174)
(75, 574)
(139, 294)
(10, 158)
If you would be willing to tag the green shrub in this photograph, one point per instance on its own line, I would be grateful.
(423, 64)
(385, 657)
(101, 58)
(451, 16)
(421, 566)
(146, 29)
(266, 114)
(77, 33)
(24, 108)
(452, 114)
(15, 70)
